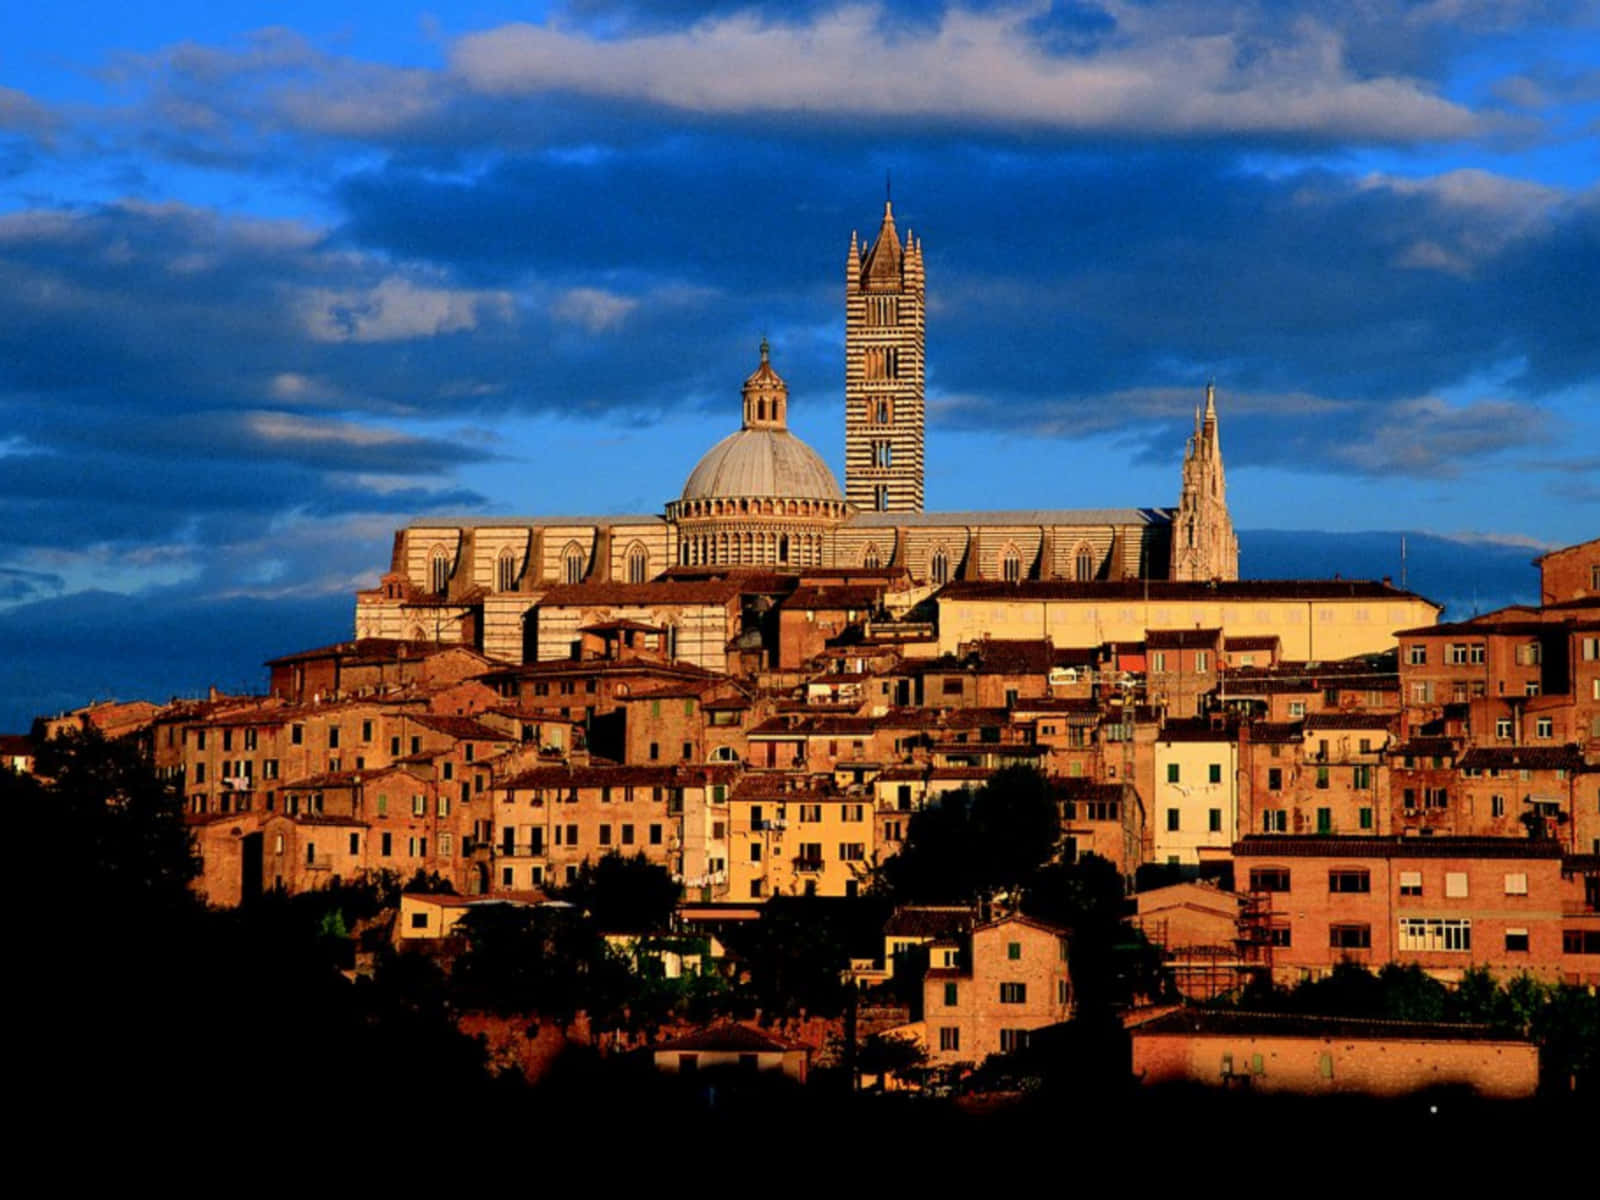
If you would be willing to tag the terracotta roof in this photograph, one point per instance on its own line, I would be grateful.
(1426, 747)
(1531, 758)
(463, 729)
(1351, 720)
(582, 595)
(1235, 1023)
(620, 627)
(853, 596)
(1167, 590)
(1396, 846)
(728, 1036)
(930, 921)
(1263, 642)
(592, 777)
(1276, 731)
(1166, 639)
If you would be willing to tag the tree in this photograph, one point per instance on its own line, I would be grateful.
(1110, 962)
(550, 961)
(885, 1054)
(132, 854)
(625, 895)
(969, 845)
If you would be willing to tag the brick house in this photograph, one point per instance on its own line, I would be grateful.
(1015, 981)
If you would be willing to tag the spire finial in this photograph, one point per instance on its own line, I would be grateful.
(1211, 400)
(766, 350)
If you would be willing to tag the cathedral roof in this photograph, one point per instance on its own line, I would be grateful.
(882, 263)
(762, 462)
(763, 459)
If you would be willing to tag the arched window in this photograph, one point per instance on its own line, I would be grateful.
(783, 548)
(572, 563)
(1011, 565)
(439, 569)
(638, 564)
(1084, 561)
(939, 569)
(870, 559)
(505, 570)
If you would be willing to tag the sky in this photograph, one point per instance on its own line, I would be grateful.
(275, 279)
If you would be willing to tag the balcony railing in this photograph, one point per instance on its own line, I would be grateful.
(808, 864)
(320, 862)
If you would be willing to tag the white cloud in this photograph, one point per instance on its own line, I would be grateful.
(398, 310)
(595, 309)
(975, 68)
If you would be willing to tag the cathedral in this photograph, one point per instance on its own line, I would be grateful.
(762, 502)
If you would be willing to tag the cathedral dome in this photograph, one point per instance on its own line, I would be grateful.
(760, 496)
(760, 463)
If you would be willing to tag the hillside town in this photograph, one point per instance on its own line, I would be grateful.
(778, 690)
(1428, 796)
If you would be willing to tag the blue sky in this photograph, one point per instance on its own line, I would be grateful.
(274, 279)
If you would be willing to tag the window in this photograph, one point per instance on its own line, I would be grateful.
(1269, 879)
(939, 570)
(951, 995)
(1322, 777)
(1013, 951)
(1172, 820)
(297, 734)
(1455, 885)
(949, 1038)
(1544, 729)
(355, 843)
(1361, 777)
(1214, 774)
(1274, 820)
(1502, 729)
(1084, 564)
(1172, 772)
(1013, 993)
(1364, 817)
(1011, 567)
(1325, 820)
(1214, 820)
(1350, 937)
(1349, 880)
(1497, 805)
(1012, 1040)
(1580, 941)
(1430, 933)
(1417, 654)
(1275, 779)
(655, 837)
(852, 852)
(605, 835)
(1297, 708)
(627, 835)
(1202, 662)
(1158, 661)
(1516, 941)
(1517, 883)
(1411, 883)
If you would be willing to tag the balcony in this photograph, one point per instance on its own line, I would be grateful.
(808, 865)
(319, 862)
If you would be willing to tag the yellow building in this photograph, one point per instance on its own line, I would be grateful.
(1312, 619)
(1196, 803)
(793, 836)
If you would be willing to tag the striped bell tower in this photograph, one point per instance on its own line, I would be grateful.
(883, 371)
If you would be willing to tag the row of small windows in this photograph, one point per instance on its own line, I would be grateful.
(883, 310)
(574, 560)
(802, 550)
(882, 362)
(719, 549)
